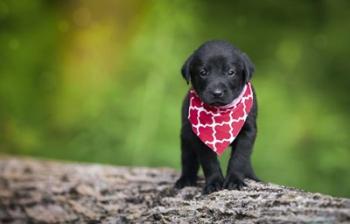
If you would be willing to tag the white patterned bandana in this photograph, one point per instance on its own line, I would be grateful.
(217, 127)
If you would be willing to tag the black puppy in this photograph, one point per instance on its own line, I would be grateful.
(218, 72)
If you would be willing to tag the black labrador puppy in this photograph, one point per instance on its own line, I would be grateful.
(218, 72)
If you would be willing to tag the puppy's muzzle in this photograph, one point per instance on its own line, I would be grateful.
(217, 93)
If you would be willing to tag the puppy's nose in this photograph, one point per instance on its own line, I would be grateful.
(218, 93)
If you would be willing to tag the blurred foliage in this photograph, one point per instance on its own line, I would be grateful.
(100, 81)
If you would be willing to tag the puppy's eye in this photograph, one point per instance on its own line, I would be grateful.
(231, 72)
(203, 72)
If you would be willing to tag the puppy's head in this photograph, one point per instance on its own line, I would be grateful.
(218, 72)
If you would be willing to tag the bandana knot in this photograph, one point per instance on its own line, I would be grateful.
(217, 127)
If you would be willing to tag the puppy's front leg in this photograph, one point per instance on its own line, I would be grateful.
(240, 164)
(211, 168)
(189, 165)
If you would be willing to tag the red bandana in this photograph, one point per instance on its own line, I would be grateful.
(218, 127)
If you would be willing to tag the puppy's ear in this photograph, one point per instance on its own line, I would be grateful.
(185, 70)
(249, 67)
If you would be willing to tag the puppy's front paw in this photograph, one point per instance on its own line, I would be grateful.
(184, 181)
(233, 182)
(213, 184)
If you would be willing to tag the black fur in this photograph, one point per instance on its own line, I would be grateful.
(218, 72)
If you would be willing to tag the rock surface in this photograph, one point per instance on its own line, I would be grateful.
(35, 191)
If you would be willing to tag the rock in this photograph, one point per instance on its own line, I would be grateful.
(37, 191)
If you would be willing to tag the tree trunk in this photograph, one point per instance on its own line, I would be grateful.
(35, 191)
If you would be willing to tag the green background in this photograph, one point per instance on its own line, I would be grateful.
(99, 81)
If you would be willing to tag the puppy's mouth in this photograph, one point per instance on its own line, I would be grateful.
(217, 104)
(225, 101)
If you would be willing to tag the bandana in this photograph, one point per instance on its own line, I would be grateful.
(217, 127)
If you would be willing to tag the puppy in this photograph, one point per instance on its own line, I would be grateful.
(220, 75)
